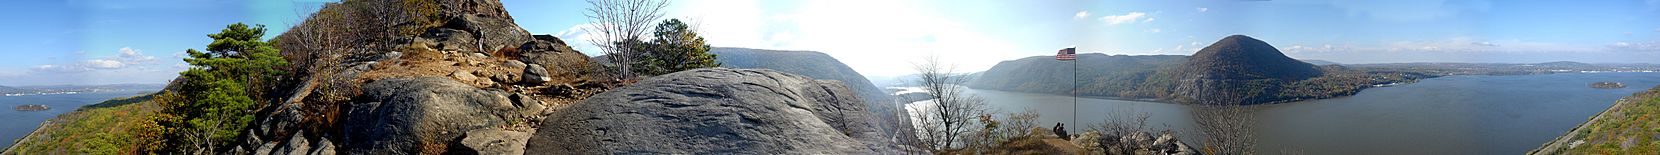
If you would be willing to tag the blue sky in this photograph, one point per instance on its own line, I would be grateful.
(139, 41)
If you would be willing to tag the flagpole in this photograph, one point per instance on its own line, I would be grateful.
(1074, 92)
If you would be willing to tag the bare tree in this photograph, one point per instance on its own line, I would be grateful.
(201, 137)
(1019, 124)
(619, 25)
(1120, 130)
(907, 136)
(953, 110)
(1227, 129)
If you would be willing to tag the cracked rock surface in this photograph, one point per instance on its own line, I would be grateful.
(715, 111)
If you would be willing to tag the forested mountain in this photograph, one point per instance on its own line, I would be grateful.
(1235, 70)
(1098, 74)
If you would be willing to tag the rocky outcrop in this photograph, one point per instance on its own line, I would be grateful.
(715, 111)
(821, 66)
(557, 60)
(424, 115)
(1134, 143)
(464, 79)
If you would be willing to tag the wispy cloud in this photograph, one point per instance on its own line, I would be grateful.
(1317, 48)
(579, 38)
(1635, 47)
(1131, 17)
(1081, 15)
(1484, 43)
(126, 57)
(1202, 9)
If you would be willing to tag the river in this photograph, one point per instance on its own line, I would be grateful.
(20, 123)
(1445, 115)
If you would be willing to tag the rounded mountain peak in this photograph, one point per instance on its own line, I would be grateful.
(1243, 57)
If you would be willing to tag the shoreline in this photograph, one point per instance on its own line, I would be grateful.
(1559, 144)
(26, 137)
(1156, 100)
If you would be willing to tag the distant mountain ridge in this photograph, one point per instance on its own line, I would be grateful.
(5, 89)
(1240, 57)
(1098, 74)
(1236, 69)
(818, 66)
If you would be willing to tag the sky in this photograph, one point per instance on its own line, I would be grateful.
(141, 41)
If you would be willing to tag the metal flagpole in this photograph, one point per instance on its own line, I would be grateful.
(1074, 91)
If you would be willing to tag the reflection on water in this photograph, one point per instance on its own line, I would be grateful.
(1447, 115)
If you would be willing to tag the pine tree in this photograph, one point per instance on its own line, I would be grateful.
(222, 88)
(676, 48)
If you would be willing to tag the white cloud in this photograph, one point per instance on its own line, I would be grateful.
(874, 40)
(1317, 49)
(1155, 30)
(60, 68)
(126, 57)
(103, 64)
(1131, 17)
(1484, 43)
(1149, 19)
(1635, 47)
(1202, 9)
(1467, 44)
(578, 38)
(128, 54)
(1081, 15)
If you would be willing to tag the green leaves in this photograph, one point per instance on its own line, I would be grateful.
(239, 38)
(676, 47)
(222, 88)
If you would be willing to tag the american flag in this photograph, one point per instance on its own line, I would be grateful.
(1069, 53)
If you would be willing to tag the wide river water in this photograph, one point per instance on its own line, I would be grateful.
(1445, 115)
(15, 124)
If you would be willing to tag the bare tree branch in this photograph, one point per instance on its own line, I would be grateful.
(619, 25)
(953, 110)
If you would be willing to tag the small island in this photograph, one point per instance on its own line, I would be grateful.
(32, 107)
(1607, 85)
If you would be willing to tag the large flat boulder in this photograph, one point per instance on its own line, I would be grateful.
(422, 115)
(715, 111)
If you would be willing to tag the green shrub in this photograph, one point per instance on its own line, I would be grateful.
(676, 48)
(222, 88)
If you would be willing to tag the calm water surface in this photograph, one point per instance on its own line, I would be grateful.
(15, 124)
(1446, 115)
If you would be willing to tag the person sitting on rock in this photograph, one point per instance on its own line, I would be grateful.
(1060, 130)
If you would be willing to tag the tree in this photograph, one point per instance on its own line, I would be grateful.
(619, 25)
(1227, 129)
(953, 110)
(676, 47)
(222, 87)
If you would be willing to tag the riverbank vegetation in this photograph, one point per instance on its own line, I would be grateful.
(116, 126)
(1630, 126)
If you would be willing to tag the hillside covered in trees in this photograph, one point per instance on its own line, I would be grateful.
(1627, 127)
(1235, 70)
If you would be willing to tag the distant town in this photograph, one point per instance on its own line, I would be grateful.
(74, 89)
(1516, 69)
